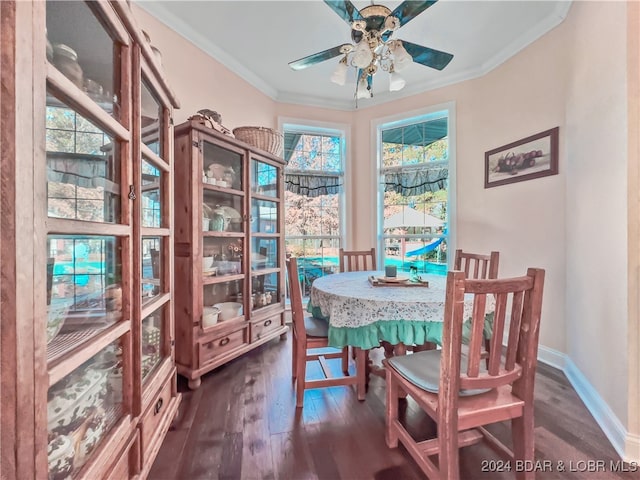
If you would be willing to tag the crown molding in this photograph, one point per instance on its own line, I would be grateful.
(157, 10)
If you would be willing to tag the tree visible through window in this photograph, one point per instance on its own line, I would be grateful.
(314, 175)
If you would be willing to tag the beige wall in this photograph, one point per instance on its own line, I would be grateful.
(201, 82)
(596, 172)
(573, 224)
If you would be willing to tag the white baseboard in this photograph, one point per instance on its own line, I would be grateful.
(626, 444)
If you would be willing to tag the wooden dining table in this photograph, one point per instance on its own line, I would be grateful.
(362, 313)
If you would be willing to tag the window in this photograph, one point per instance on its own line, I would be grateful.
(313, 199)
(414, 193)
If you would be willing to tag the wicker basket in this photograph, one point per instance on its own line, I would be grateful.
(261, 137)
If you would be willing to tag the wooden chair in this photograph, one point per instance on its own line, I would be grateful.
(475, 265)
(357, 260)
(455, 389)
(310, 333)
(478, 266)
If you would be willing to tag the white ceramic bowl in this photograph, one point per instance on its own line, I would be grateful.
(210, 316)
(229, 310)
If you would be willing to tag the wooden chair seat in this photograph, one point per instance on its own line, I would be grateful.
(423, 370)
(316, 327)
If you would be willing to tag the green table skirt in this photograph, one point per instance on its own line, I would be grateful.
(409, 332)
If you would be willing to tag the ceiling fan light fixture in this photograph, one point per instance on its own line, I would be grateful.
(339, 75)
(362, 55)
(396, 82)
(401, 58)
(362, 89)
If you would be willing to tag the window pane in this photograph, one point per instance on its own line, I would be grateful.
(312, 206)
(415, 224)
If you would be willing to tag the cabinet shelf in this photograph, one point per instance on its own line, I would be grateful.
(206, 188)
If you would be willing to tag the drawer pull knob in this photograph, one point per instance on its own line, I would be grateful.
(224, 341)
(158, 406)
(267, 323)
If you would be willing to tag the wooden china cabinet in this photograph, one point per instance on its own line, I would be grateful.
(88, 377)
(229, 233)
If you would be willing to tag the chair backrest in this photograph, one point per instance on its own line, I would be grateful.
(476, 265)
(522, 296)
(295, 294)
(357, 260)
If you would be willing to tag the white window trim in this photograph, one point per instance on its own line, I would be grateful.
(343, 130)
(408, 118)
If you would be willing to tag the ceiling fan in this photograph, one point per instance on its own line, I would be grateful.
(373, 48)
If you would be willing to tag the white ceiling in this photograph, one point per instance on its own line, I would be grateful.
(257, 39)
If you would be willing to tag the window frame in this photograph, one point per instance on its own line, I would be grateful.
(408, 118)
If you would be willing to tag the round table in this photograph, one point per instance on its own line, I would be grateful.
(363, 315)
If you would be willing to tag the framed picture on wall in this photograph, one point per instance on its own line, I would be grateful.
(532, 157)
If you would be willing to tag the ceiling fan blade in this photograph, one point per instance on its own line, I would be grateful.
(347, 10)
(427, 56)
(309, 60)
(409, 9)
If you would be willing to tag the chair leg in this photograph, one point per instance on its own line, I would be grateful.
(300, 381)
(391, 437)
(522, 430)
(345, 360)
(449, 454)
(294, 358)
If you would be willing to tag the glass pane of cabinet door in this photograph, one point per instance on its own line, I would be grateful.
(83, 167)
(81, 410)
(84, 287)
(82, 50)
(152, 195)
(152, 266)
(151, 119)
(265, 290)
(264, 178)
(153, 331)
(222, 167)
(264, 217)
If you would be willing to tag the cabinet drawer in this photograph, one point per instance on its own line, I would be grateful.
(127, 464)
(209, 350)
(154, 415)
(263, 327)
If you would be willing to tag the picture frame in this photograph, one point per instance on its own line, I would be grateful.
(532, 157)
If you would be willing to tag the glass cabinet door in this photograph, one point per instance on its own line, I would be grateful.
(223, 234)
(83, 167)
(153, 332)
(84, 287)
(82, 50)
(82, 408)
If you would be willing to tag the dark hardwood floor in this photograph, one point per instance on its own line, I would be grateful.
(242, 424)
